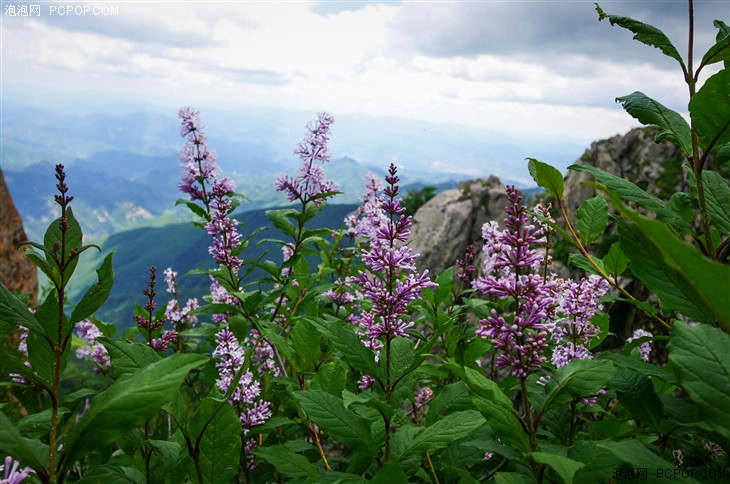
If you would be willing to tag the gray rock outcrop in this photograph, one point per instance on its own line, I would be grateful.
(444, 226)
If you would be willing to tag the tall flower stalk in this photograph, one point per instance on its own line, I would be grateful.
(391, 282)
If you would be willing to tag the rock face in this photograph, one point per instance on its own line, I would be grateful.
(655, 167)
(444, 226)
(16, 272)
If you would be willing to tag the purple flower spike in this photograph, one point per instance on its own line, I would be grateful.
(511, 272)
(392, 281)
(11, 472)
(311, 182)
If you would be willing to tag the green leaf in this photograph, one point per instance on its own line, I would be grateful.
(644, 33)
(512, 478)
(721, 50)
(579, 378)
(74, 238)
(547, 177)
(305, 342)
(451, 398)
(20, 448)
(280, 219)
(443, 432)
(699, 357)
(643, 403)
(648, 264)
(615, 261)
(220, 444)
(129, 402)
(563, 466)
(97, 294)
(581, 262)
(330, 415)
(343, 340)
(390, 473)
(638, 455)
(681, 204)
(717, 196)
(193, 207)
(402, 357)
(709, 279)
(38, 425)
(599, 462)
(128, 357)
(286, 462)
(15, 312)
(110, 474)
(710, 111)
(592, 219)
(628, 191)
(650, 112)
(330, 378)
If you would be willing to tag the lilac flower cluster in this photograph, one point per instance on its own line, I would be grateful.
(645, 347)
(219, 295)
(511, 265)
(23, 350)
(311, 183)
(201, 181)
(12, 474)
(369, 216)
(91, 351)
(577, 303)
(246, 397)
(263, 354)
(174, 313)
(392, 281)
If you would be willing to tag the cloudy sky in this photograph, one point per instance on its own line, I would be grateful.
(544, 69)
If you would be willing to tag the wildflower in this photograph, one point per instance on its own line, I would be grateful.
(392, 281)
(164, 342)
(148, 322)
(263, 354)
(365, 382)
(467, 263)
(488, 456)
(645, 347)
(198, 161)
(222, 227)
(11, 474)
(369, 216)
(219, 295)
(91, 350)
(511, 265)
(23, 350)
(311, 182)
(252, 410)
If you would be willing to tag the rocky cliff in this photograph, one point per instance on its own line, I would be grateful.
(16, 272)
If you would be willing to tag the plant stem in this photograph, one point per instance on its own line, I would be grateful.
(388, 397)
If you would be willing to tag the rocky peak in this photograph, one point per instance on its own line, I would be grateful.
(16, 272)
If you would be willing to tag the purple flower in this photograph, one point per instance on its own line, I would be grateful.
(91, 350)
(645, 347)
(246, 397)
(164, 342)
(511, 266)
(369, 216)
(198, 161)
(263, 354)
(11, 474)
(23, 350)
(392, 281)
(365, 382)
(311, 182)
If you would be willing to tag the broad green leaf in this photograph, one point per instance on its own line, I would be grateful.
(637, 365)
(579, 378)
(390, 473)
(343, 340)
(709, 279)
(97, 294)
(74, 236)
(443, 432)
(721, 50)
(38, 425)
(615, 261)
(331, 378)
(628, 191)
(504, 423)
(599, 462)
(128, 357)
(402, 357)
(111, 474)
(644, 33)
(24, 450)
(305, 342)
(43, 359)
(681, 204)
(717, 196)
(650, 112)
(280, 219)
(581, 262)
(563, 466)
(15, 312)
(220, 445)
(330, 415)
(128, 403)
(638, 455)
(648, 264)
(547, 177)
(286, 462)
(485, 388)
(592, 219)
(451, 398)
(710, 111)
(193, 207)
(699, 357)
(643, 403)
(513, 478)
